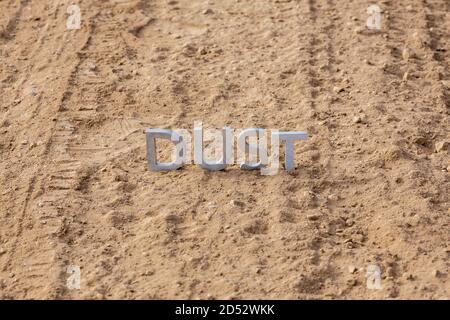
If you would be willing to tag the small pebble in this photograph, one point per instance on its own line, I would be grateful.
(406, 54)
(352, 269)
(236, 203)
(405, 76)
(357, 119)
(338, 89)
(211, 205)
(436, 273)
(442, 145)
(333, 197)
(313, 217)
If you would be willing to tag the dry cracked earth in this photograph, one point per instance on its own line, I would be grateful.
(371, 186)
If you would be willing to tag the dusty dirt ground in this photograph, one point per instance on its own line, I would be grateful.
(371, 185)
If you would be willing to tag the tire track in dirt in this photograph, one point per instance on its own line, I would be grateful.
(77, 158)
(424, 54)
(306, 194)
(327, 239)
(85, 113)
(9, 31)
(48, 221)
(434, 21)
(33, 51)
(337, 230)
(378, 99)
(297, 197)
(427, 55)
(311, 50)
(436, 17)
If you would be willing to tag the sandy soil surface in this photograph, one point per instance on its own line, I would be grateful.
(371, 187)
